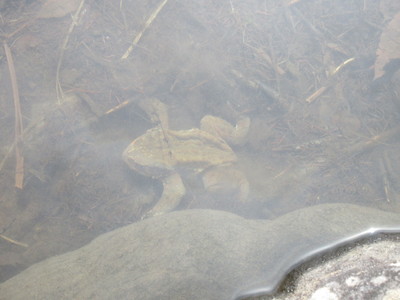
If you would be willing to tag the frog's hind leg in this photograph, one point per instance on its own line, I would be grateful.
(173, 192)
(233, 135)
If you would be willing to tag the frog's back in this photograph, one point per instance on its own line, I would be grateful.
(197, 149)
(160, 151)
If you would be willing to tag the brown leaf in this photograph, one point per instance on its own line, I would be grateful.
(57, 8)
(389, 46)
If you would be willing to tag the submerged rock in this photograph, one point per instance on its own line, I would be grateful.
(195, 254)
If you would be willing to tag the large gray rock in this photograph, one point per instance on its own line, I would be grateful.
(194, 254)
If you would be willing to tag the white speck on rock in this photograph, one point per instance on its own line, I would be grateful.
(392, 295)
(378, 280)
(324, 294)
(352, 281)
(396, 264)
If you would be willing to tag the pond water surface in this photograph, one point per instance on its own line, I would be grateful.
(284, 114)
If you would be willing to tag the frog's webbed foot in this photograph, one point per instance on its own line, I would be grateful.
(233, 135)
(173, 192)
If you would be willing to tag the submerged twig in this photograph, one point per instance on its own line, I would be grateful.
(374, 141)
(324, 88)
(317, 93)
(75, 18)
(19, 164)
(13, 241)
(146, 25)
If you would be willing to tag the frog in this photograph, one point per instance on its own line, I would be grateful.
(168, 155)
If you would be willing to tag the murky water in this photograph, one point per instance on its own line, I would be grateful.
(268, 111)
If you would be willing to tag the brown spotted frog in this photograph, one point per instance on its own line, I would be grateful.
(168, 155)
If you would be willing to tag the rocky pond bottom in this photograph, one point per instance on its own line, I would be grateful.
(196, 254)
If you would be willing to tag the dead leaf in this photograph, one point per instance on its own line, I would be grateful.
(57, 8)
(389, 46)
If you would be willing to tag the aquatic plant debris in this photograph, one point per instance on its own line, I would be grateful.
(196, 254)
(388, 48)
(57, 9)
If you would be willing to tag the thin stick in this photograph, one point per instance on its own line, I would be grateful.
(13, 241)
(75, 19)
(323, 89)
(19, 164)
(316, 94)
(146, 25)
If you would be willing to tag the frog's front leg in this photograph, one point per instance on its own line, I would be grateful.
(172, 194)
(233, 135)
(156, 110)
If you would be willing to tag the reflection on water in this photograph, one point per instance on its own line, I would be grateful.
(257, 108)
